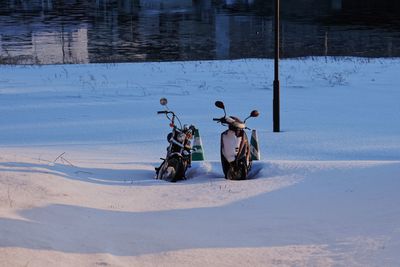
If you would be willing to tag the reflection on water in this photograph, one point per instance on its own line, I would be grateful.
(81, 31)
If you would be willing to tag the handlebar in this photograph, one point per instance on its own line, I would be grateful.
(221, 120)
(166, 112)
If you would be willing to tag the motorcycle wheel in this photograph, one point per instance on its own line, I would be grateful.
(169, 174)
(237, 172)
(172, 172)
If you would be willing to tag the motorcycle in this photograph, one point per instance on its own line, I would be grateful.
(235, 149)
(179, 152)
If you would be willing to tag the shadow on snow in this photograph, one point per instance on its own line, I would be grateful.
(140, 174)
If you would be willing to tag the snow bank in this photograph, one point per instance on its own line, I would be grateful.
(79, 144)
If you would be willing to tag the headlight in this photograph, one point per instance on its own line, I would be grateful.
(181, 137)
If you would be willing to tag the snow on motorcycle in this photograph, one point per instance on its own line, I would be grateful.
(179, 151)
(235, 151)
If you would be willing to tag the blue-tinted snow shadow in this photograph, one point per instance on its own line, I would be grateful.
(74, 229)
(316, 211)
(141, 174)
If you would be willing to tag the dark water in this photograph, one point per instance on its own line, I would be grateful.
(79, 31)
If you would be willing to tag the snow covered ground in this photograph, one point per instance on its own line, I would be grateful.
(79, 143)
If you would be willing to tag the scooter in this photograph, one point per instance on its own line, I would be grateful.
(235, 149)
(179, 151)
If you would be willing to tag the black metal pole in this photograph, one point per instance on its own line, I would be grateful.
(276, 101)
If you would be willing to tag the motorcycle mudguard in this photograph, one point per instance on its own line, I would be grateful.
(230, 145)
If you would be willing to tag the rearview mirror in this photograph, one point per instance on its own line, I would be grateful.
(163, 101)
(220, 104)
(254, 113)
